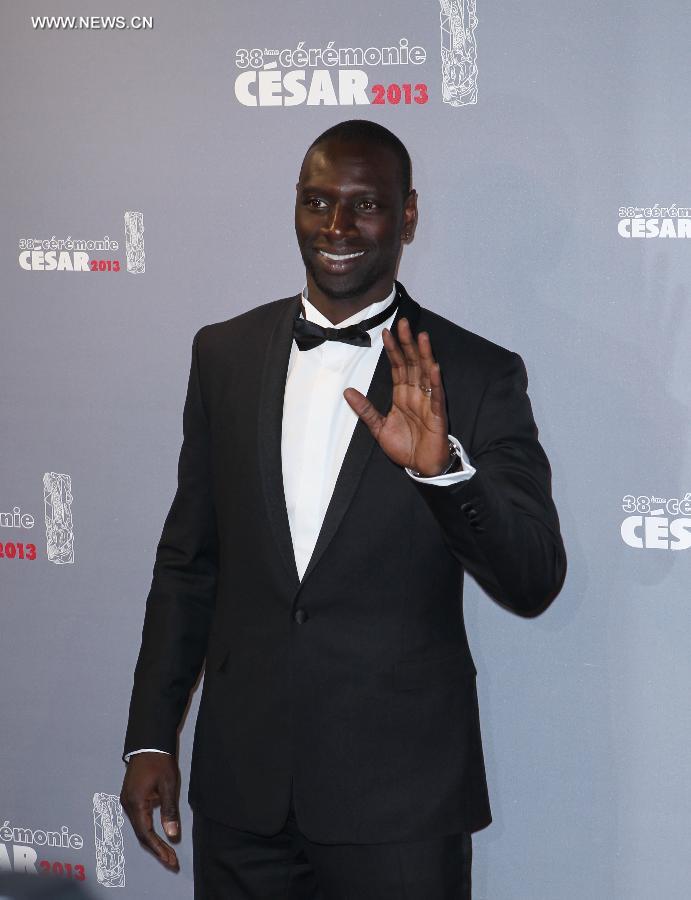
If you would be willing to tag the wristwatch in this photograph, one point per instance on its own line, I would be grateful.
(455, 463)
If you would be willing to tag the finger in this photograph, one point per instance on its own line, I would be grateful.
(399, 369)
(426, 357)
(365, 410)
(170, 815)
(431, 375)
(163, 851)
(410, 352)
(142, 823)
(437, 397)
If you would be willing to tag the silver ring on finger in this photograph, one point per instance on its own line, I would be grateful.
(425, 390)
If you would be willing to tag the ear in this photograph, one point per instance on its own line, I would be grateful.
(409, 217)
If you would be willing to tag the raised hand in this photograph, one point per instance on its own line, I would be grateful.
(415, 431)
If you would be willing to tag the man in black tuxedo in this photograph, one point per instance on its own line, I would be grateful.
(333, 486)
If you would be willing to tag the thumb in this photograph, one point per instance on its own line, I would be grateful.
(365, 409)
(170, 815)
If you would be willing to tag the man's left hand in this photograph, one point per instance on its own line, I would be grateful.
(415, 431)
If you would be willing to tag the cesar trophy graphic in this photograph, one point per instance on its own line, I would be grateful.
(458, 52)
(110, 857)
(57, 495)
(134, 242)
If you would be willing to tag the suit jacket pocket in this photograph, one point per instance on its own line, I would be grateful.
(417, 674)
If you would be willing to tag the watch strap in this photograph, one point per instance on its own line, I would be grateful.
(454, 465)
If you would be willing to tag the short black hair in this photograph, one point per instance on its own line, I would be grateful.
(365, 130)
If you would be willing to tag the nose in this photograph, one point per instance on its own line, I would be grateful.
(340, 221)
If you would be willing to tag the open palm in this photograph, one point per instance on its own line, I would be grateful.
(415, 431)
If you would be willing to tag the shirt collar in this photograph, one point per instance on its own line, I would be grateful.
(312, 314)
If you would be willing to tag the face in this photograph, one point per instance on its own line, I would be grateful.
(350, 220)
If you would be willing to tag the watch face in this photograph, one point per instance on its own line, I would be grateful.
(457, 459)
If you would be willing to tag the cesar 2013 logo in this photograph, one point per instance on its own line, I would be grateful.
(70, 254)
(657, 523)
(337, 76)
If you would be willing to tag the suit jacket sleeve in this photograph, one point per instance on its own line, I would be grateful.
(502, 524)
(181, 601)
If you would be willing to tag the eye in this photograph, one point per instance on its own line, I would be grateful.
(367, 204)
(315, 203)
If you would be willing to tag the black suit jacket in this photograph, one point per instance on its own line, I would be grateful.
(357, 682)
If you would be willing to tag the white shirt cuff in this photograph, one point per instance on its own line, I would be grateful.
(452, 477)
(134, 753)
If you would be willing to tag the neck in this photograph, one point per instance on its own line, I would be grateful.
(337, 309)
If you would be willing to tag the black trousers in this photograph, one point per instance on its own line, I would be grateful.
(237, 865)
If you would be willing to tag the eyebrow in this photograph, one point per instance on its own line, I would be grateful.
(357, 189)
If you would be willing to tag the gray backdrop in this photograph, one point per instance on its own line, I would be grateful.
(580, 135)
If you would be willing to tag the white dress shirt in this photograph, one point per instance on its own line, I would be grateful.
(318, 424)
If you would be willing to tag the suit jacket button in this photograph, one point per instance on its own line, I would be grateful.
(300, 616)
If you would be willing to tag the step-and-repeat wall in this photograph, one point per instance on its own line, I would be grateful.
(149, 158)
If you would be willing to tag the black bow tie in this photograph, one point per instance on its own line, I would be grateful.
(308, 334)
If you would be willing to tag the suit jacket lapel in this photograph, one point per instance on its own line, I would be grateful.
(361, 443)
(270, 422)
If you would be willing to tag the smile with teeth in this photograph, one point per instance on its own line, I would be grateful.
(338, 257)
